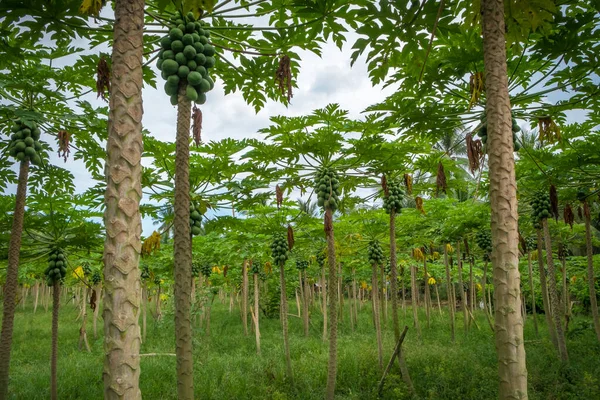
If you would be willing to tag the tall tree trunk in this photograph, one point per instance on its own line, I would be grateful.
(83, 329)
(144, 311)
(331, 291)
(427, 291)
(553, 294)
(305, 292)
(256, 312)
(37, 295)
(284, 322)
(485, 306)
(531, 289)
(503, 199)
(565, 295)
(543, 285)
(414, 295)
(122, 218)
(376, 316)
(590, 270)
(53, 358)
(245, 291)
(12, 272)
(182, 246)
(461, 290)
(382, 314)
(324, 301)
(451, 308)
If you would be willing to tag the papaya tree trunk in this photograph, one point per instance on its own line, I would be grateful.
(553, 293)
(53, 358)
(182, 246)
(503, 200)
(590, 270)
(37, 295)
(531, 289)
(414, 295)
(376, 316)
(11, 284)
(245, 290)
(324, 301)
(427, 291)
(331, 291)
(83, 329)
(144, 311)
(305, 292)
(461, 290)
(284, 322)
(256, 312)
(451, 308)
(485, 306)
(543, 285)
(122, 218)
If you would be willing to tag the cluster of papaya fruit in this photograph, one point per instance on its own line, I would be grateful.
(393, 200)
(195, 218)
(57, 266)
(24, 142)
(484, 240)
(279, 248)
(327, 186)
(301, 264)
(541, 206)
(482, 133)
(375, 253)
(185, 58)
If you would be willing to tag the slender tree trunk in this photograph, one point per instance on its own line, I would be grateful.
(414, 294)
(565, 296)
(543, 284)
(53, 358)
(122, 218)
(461, 290)
(531, 289)
(394, 274)
(451, 308)
(37, 295)
(83, 329)
(256, 312)
(382, 314)
(182, 246)
(331, 291)
(144, 311)
(157, 303)
(284, 322)
(306, 290)
(553, 293)
(12, 273)
(503, 199)
(473, 295)
(427, 291)
(376, 316)
(437, 295)
(324, 301)
(485, 307)
(590, 270)
(403, 297)
(245, 290)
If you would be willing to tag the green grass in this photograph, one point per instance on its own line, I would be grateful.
(227, 367)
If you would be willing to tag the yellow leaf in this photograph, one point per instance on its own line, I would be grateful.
(91, 7)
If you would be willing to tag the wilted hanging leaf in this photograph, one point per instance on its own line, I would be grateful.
(449, 248)
(554, 202)
(580, 212)
(419, 204)
(91, 7)
(568, 215)
(151, 244)
(93, 300)
(290, 237)
(278, 196)
(283, 77)
(586, 210)
(548, 130)
(474, 152)
(476, 87)
(64, 139)
(268, 267)
(466, 243)
(441, 179)
(408, 183)
(418, 254)
(197, 125)
(225, 269)
(102, 79)
(384, 185)
(523, 243)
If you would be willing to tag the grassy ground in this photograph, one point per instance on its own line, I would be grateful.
(227, 367)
